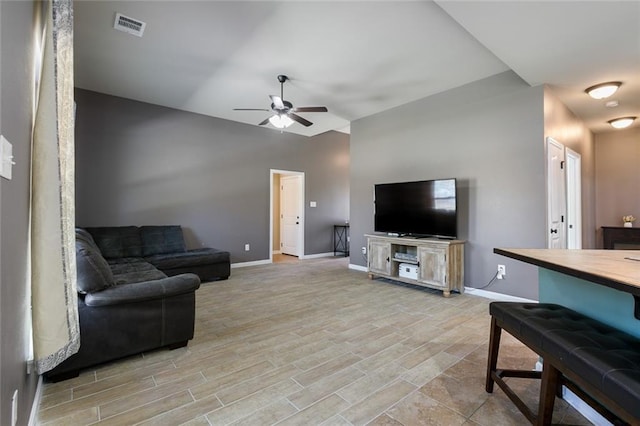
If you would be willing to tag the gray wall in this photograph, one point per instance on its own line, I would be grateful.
(489, 135)
(563, 126)
(16, 50)
(139, 164)
(617, 177)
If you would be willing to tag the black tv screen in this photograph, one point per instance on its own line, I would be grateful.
(423, 208)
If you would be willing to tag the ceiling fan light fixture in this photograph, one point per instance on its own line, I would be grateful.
(622, 122)
(603, 90)
(284, 114)
(280, 121)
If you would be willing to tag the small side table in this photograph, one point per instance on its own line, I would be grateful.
(341, 239)
(620, 238)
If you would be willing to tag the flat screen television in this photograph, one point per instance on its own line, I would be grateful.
(425, 208)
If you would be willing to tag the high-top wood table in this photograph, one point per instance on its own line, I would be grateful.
(603, 284)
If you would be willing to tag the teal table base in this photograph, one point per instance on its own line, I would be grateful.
(605, 304)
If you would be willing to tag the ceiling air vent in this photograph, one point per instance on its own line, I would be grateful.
(129, 25)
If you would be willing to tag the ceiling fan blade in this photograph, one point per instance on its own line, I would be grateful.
(299, 119)
(263, 122)
(250, 109)
(311, 109)
(277, 101)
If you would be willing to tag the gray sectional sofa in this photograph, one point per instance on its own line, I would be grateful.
(136, 292)
(162, 247)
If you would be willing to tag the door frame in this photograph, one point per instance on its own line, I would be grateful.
(272, 174)
(574, 198)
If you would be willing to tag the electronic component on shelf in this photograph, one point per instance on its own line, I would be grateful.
(406, 256)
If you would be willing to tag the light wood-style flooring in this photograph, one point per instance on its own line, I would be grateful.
(309, 342)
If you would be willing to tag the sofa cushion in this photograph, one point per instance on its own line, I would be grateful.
(94, 273)
(124, 265)
(161, 240)
(139, 276)
(117, 241)
(129, 270)
(204, 256)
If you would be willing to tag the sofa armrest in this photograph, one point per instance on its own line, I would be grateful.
(143, 291)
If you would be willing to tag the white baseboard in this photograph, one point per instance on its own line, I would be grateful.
(583, 408)
(317, 255)
(497, 296)
(253, 263)
(358, 267)
(269, 261)
(33, 416)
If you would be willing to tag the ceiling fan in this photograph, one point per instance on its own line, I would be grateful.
(283, 111)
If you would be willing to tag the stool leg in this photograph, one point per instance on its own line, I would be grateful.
(548, 391)
(492, 359)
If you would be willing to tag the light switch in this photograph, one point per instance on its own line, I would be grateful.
(6, 158)
(312, 204)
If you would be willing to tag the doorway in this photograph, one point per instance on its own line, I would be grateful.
(556, 200)
(286, 235)
(564, 201)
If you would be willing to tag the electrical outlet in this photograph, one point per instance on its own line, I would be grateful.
(364, 250)
(6, 158)
(502, 272)
(247, 247)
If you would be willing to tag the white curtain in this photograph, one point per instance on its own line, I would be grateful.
(56, 333)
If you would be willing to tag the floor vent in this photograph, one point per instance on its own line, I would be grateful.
(129, 25)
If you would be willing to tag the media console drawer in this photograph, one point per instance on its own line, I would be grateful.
(427, 262)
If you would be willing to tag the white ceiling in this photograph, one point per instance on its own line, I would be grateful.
(357, 58)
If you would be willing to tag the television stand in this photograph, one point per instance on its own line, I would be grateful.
(427, 262)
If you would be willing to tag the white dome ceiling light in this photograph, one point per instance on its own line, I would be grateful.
(622, 122)
(603, 90)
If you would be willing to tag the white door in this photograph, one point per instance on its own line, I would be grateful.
(290, 214)
(556, 210)
(574, 199)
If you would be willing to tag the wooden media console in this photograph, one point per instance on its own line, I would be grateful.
(438, 264)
